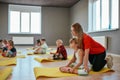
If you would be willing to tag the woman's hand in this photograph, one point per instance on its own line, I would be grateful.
(86, 69)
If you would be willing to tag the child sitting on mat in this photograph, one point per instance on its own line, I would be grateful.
(4, 43)
(1, 46)
(61, 53)
(10, 51)
(38, 44)
(43, 48)
(75, 65)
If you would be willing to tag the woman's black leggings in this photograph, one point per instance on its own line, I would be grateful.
(97, 61)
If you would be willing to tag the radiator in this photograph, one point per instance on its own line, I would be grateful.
(23, 40)
(102, 40)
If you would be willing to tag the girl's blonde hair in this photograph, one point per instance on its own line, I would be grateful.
(75, 40)
(79, 31)
(11, 43)
(60, 41)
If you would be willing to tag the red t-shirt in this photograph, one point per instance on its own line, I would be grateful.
(95, 47)
(62, 50)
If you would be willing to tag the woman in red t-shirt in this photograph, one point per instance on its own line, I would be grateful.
(93, 51)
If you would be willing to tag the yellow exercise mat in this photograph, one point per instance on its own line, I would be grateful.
(18, 56)
(30, 53)
(19, 52)
(44, 60)
(50, 72)
(70, 57)
(29, 48)
(21, 56)
(7, 61)
(51, 51)
(5, 72)
(1, 57)
(54, 72)
(104, 70)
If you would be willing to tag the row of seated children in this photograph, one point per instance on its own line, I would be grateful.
(41, 47)
(7, 48)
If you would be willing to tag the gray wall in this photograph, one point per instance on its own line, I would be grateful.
(55, 24)
(79, 13)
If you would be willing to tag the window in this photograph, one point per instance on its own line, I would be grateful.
(105, 15)
(25, 23)
(15, 21)
(35, 21)
(24, 19)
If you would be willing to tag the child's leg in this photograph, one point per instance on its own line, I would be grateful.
(56, 57)
(81, 72)
(65, 69)
(42, 51)
(36, 52)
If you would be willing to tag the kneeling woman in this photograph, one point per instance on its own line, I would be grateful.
(93, 51)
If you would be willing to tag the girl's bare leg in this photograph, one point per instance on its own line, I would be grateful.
(67, 70)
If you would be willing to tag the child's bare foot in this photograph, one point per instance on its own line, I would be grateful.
(65, 69)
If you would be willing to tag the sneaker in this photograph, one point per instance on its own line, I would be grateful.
(82, 72)
(109, 61)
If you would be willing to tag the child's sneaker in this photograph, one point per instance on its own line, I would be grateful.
(82, 72)
(109, 61)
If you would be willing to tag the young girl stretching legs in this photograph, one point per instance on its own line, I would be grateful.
(75, 65)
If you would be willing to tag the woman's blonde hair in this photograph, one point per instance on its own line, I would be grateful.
(79, 31)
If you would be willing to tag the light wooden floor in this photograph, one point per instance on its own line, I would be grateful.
(24, 69)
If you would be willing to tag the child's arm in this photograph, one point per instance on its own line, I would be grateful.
(81, 60)
(55, 52)
(52, 52)
(71, 61)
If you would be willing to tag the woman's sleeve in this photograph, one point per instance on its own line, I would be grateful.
(87, 42)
